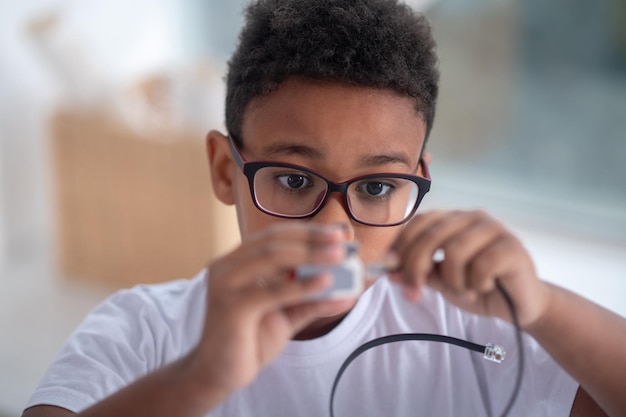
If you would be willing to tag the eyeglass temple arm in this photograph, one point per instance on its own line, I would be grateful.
(425, 170)
(239, 158)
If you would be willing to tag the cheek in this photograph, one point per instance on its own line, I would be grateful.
(250, 219)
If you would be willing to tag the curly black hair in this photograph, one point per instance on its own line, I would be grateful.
(370, 43)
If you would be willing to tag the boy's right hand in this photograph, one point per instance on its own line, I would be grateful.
(254, 308)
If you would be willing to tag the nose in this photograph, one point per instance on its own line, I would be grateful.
(334, 211)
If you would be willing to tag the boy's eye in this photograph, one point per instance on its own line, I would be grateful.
(294, 181)
(375, 188)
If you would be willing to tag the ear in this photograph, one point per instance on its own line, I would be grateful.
(221, 166)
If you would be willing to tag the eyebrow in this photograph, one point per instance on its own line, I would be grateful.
(288, 148)
(385, 159)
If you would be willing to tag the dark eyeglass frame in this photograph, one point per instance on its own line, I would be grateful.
(250, 168)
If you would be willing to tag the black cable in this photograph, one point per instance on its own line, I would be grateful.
(444, 339)
(520, 348)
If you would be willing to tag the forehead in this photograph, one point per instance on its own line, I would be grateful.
(338, 122)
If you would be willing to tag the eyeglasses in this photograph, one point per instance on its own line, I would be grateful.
(295, 192)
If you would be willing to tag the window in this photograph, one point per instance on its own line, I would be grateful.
(533, 105)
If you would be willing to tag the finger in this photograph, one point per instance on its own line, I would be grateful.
(280, 251)
(497, 260)
(402, 248)
(415, 227)
(462, 248)
(274, 261)
(288, 293)
(417, 257)
(465, 299)
(299, 231)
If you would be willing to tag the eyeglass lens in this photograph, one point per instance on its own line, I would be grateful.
(289, 192)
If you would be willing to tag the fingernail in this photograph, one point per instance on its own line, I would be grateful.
(291, 275)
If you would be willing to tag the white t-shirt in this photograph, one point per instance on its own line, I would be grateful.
(139, 330)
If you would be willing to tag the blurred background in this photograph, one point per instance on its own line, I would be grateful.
(104, 105)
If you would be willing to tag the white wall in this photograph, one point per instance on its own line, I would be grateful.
(81, 61)
(25, 92)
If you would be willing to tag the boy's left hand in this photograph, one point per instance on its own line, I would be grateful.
(478, 251)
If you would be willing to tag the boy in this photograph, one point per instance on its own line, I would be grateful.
(329, 104)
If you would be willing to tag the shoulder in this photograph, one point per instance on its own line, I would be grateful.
(169, 301)
(173, 310)
(164, 302)
(147, 325)
(130, 334)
